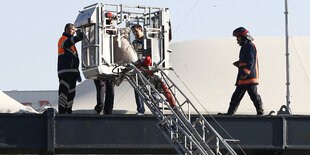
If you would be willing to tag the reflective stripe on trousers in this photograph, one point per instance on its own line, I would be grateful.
(66, 92)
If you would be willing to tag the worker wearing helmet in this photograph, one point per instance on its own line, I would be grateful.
(247, 79)
(68, 72)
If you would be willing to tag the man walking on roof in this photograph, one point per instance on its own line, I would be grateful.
(247, 79)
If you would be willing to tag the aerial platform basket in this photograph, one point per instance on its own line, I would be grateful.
(101, 39)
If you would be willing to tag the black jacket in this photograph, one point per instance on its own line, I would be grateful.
(248, 64)
(68, 59)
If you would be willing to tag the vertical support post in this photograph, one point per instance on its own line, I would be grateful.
(150, 16)
(284, 137)
(50, 113)
(119, 10)
(97, 36)
(288, 101)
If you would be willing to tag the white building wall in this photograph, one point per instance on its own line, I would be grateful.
(36, 99)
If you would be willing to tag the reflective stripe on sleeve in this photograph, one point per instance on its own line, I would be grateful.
(246, 71)
(241, 64)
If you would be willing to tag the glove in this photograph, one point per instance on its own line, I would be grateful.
(236, 63)
(79, 34)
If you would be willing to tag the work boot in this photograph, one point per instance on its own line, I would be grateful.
(61, 110)
(259, 109)
(107, 112)
(227, 114)
(98, 110)
(69, 110)
(232, 108)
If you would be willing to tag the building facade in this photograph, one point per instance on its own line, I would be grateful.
(38, 100)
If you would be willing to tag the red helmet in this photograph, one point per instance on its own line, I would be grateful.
(110, 15)
(241, 31)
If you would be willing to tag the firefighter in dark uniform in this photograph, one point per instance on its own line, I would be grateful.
(68, 72)
(247, 79)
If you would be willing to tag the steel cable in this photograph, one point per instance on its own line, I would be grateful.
(303, 66)
(207, 111)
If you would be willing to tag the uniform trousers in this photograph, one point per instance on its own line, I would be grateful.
(139, 102)
(238, 95)
(105, 95)
(66, 92)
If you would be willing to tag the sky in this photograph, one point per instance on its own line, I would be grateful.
(31, 29)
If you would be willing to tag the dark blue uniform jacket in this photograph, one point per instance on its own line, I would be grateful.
(68, 59)
(248, 65)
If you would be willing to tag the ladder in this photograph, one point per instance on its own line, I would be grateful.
(166, 102)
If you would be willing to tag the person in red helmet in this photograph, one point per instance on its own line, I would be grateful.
(248, 76)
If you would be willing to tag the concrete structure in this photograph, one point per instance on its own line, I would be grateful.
(9, 105)
(38, 100)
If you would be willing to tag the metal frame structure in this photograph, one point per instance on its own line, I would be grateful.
(98, 62)
(98, 45)
(52, 133)
(187, 136)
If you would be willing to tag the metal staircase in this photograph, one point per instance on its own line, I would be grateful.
(173, 110)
